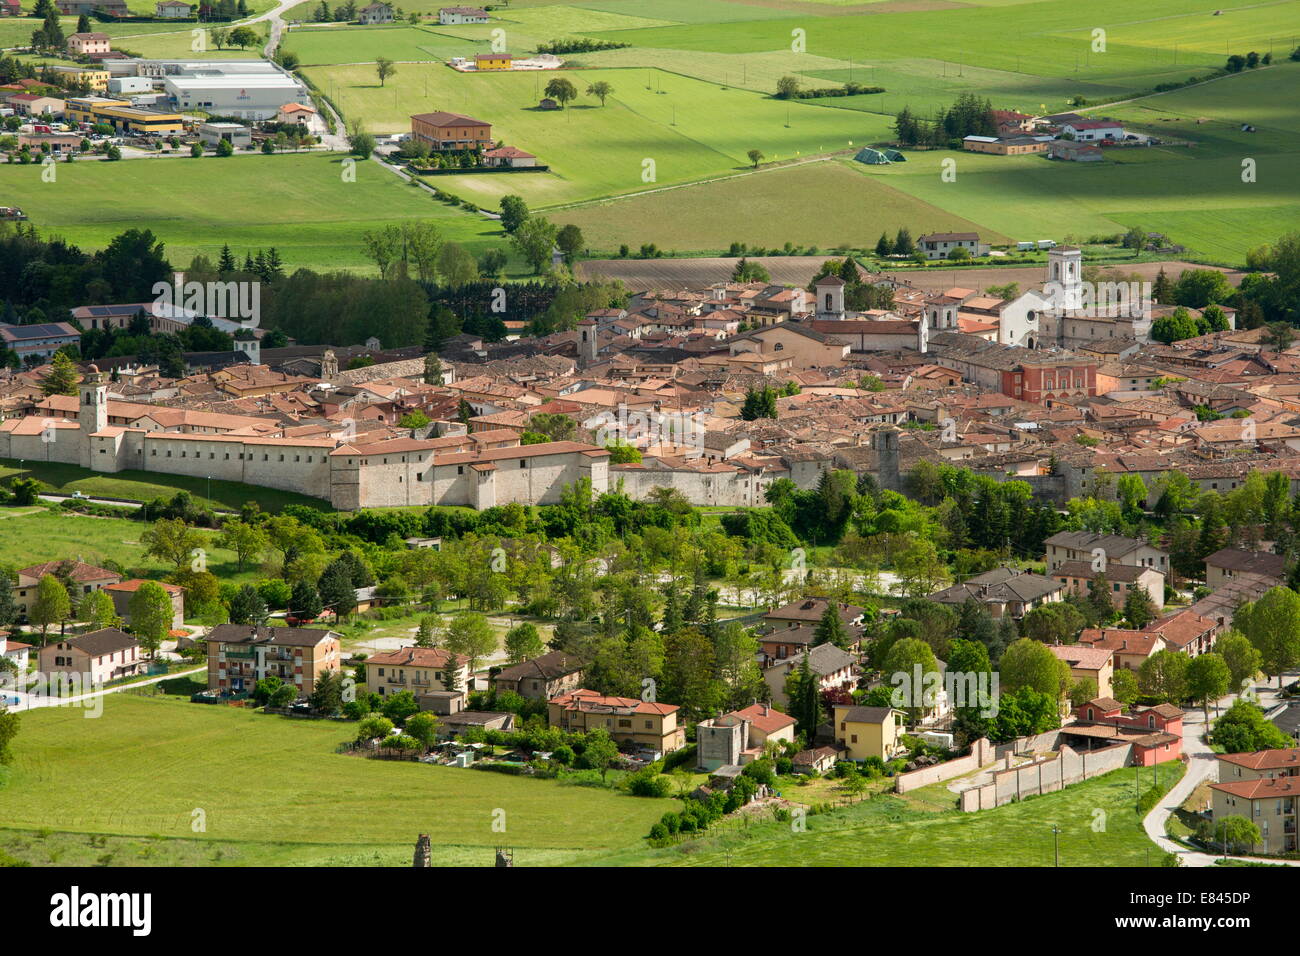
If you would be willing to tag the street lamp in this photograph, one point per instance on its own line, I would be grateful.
(1056, 844)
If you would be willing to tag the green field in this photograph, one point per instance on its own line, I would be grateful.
(146, 485)
(1194, 194)
(297, 203)
(913, 831)
(344, 44)
(30, 537)
(690, 129)
(1046, 38)
(692, 97)
(837, 199)
(274, 790)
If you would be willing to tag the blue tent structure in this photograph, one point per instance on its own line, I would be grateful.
(872, 157)
(894, 156)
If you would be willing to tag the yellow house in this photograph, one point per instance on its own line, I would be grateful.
(421, 670)
(493, 61)
(866, 731)
(626, 719)
(95, 79)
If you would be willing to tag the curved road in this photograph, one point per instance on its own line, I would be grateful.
(1200, 767)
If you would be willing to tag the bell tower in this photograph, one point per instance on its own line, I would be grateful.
(587, 343)
(829, 291)
(1065, 277)
(93, 411)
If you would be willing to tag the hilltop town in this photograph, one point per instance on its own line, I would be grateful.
(642, 434)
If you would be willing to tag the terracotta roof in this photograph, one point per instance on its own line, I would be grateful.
(133, 585)
(1261, 788)
(77, 571)
(417, 657)
(1264, 759)
(588, 701)
(767, 719)
(442, 118)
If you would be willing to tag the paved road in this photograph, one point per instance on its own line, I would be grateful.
(34, 701)
(1201, 766)
(101, 501)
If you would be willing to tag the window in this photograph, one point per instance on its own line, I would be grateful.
(523, 463)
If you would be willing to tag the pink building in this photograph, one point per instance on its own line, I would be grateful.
(1156, 733)
(98, 657)
(84, 44)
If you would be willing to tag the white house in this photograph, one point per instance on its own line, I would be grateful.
(448, 16)
(1087, 131)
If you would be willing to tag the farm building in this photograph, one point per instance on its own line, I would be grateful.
(1093, 130)
(375, 13)
(452, 131)
(939, 244)
(1004, 145)
(1075, 152)
(509, 156)
(493, 61)
(450, 16)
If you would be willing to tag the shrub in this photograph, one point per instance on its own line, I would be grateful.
(648, 783)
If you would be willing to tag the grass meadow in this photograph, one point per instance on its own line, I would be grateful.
(805, 204)
(59, 478)
(30, 536)
(127, 788)
(691, 98)
(923, 828)
(298, 203)
(688, 128)
(274, 790)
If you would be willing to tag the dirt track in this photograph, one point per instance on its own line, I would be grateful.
(640, 274)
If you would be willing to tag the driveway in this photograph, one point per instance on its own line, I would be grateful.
(1201, 766)
(28, 701)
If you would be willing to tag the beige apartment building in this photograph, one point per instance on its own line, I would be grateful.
(1268, 802)
(640, 722)
(239, 655)
(421, 670)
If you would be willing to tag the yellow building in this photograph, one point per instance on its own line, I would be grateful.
(866, 731)
(81, 109)
(132, 119)
(421, 670)
(493, 61)
(628, 720)
(95, 79)
(122, 116)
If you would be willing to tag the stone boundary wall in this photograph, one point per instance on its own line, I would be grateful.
(1067, 767)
